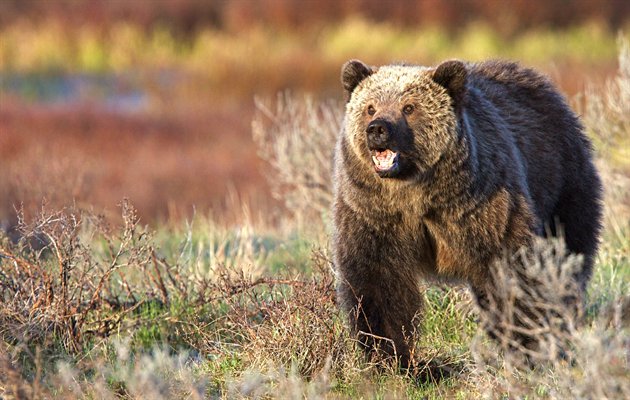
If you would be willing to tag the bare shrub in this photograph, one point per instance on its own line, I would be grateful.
(540, 349)
(57, 294)
(598, 369)
(606, 112)
(297, 139)
(52, 283)
(290, 321)
(533, 304)
(73, 282)
(606, 115)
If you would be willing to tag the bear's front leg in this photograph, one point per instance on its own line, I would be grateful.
(384, 328)
(378, 289)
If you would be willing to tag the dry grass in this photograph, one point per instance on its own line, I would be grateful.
(607, 112)
(73, 287)
(569, 355)
(296, 139)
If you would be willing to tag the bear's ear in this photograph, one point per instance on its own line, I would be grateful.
(452, 76)
(352, 73)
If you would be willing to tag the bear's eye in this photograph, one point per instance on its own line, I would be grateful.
(408, 109)
(371, 110)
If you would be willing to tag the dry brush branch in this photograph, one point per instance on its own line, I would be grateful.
(297, 139)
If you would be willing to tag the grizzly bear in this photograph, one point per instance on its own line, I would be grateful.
(439, 172)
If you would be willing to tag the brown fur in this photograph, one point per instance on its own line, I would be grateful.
(488, 156)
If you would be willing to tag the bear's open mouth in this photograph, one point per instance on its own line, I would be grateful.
(384, 160)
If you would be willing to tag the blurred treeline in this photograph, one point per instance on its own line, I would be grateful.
(507, 17)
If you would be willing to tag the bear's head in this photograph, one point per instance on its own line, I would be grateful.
(401, 119)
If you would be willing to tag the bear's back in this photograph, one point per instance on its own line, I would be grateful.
(547, 133)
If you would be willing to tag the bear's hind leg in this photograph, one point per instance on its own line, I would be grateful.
(579, 213)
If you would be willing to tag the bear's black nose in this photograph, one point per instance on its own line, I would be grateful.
(378, 132)
(378, 126)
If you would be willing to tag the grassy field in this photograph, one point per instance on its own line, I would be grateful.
(244, 306)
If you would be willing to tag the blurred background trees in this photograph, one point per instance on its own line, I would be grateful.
(153, 100)
(189, 16)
